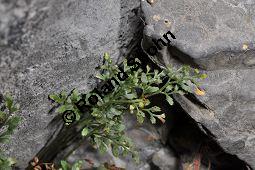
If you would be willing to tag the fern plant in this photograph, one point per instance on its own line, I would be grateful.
(127, 90)
(8, 123)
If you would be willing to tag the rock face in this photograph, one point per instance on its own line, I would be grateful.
(217, 37)
(51, 45)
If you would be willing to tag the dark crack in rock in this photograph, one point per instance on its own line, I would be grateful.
(53, 45)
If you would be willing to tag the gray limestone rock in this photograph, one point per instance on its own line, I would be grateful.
(47, 46)
(216, 36)
(210, 34)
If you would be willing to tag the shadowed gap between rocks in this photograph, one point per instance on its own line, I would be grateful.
(184, 135)
(169, 50)
(188, 138)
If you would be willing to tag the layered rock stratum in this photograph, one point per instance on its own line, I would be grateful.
(47, 46)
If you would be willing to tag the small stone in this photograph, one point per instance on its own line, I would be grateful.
(145, 167)
(164, 160)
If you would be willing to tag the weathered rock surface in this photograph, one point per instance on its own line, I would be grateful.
(210, 34)
(51, 45)
(218, 37)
